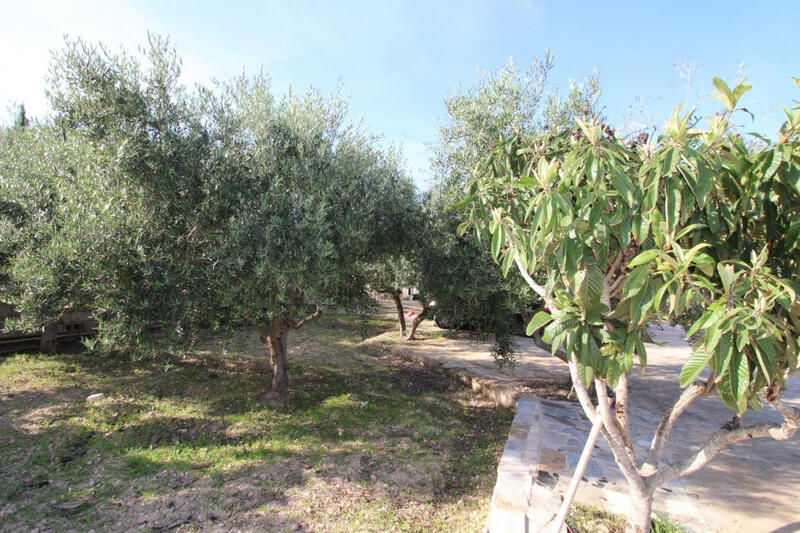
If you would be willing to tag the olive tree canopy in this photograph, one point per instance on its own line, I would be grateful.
(153, 205)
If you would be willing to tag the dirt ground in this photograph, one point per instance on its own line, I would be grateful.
(367, 442)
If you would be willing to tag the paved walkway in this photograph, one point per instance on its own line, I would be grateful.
(751, 487)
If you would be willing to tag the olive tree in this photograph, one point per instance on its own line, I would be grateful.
(108, 194)
(389, 268)
(164, 210)
(612, 234)
(455, 270)
(306, 199)
(390, 275)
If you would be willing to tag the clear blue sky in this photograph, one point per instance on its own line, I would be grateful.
(399, 60)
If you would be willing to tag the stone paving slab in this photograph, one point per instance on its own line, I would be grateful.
(538, 462)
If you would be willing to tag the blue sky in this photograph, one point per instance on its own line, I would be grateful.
(399, 60)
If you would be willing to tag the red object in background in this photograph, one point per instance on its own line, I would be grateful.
(411, 314)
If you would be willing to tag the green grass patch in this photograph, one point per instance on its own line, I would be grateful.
(587, 519)
(367, 441)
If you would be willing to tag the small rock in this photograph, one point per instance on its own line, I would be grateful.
(93, 398)
(297, 527)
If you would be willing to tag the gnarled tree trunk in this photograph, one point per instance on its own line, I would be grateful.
(276, 337)
(398, 305)
(417, 321)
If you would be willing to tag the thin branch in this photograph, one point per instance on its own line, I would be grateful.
(624, 455)
(614, 266)
(661, 437)
(723, 438)
(621, 409)
(580, 390)
(593, 413)
(619, 265)
(538, 289)
(616, 286)
(605, 296)
(559, 353)
(705, 298)
(297, 325)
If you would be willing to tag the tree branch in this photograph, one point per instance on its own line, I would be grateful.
(724, 438)
(559, 353)
(624, 454)
(661, 437)
(580, 389)
(617, 285)
(297, 325)
(611, 284)
(621, 409)
(613, 268)
(538, 289)
(627, 465)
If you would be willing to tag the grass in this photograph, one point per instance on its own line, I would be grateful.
(587, 519)
(367, 441)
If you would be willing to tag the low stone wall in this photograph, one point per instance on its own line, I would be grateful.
(544, 444)
(520, 502)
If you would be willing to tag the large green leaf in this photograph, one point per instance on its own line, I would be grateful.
(673, 203)
(724, 94)
(636, 280)
(498, 240)
(539, 319)
(592, 288)
(694, 366)
(508, 261)
(644, 258)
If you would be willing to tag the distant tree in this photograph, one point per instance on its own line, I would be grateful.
(390, 275)
(21, 121)
(612, 234)
(498, 105)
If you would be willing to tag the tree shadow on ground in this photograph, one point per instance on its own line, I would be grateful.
(160, 444)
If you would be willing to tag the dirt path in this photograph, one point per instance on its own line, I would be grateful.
(751, 487)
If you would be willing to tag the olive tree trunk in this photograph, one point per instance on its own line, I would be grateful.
(276, 336)
(398, 305)
(48, 342)
(417, 321)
